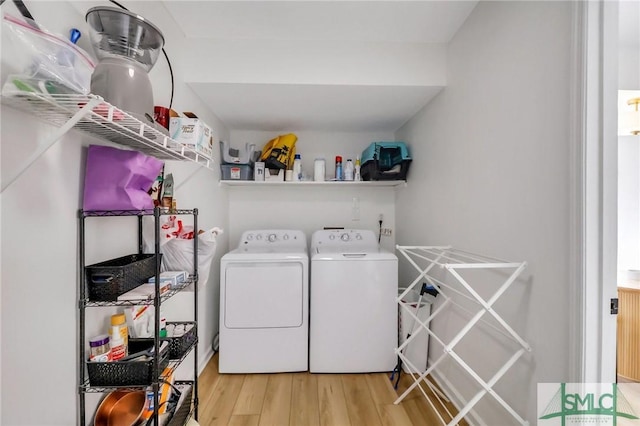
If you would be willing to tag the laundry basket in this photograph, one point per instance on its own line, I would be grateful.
(418, 349)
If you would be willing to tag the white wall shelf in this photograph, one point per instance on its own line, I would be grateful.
(92, 115)
(334, 184)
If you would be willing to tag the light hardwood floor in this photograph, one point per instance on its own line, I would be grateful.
(304, 399)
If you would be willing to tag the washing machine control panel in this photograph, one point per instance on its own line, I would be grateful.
(273, 237)
(343, 237)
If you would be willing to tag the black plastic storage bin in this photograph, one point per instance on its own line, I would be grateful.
(108, 280)
(127, 373)
(178, 346)
(185, 409)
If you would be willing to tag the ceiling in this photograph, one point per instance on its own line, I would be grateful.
(313, 103)
(376, 21)
(281, 107)
(306, 101)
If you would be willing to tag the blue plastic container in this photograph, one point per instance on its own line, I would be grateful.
(385, 161)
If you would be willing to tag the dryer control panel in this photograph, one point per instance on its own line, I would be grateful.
(273, 237)
(344, 238)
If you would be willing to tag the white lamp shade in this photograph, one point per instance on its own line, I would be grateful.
(629, 123)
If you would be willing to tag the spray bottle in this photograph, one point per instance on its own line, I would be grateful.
(357, 176)
(338, 167)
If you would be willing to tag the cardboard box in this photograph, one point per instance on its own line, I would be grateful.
(174, 278)
(145, 291)
(194, 133)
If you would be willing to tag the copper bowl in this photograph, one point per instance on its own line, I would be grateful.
(121, 408)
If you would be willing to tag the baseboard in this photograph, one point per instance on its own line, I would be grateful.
(624, 379)
(455, 397)
(205, 360)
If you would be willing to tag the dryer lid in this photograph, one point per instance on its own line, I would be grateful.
(246, 254)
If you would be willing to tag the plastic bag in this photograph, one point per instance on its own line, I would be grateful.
(177, 254)
(118, 179)
(176, 246)
(48, 58)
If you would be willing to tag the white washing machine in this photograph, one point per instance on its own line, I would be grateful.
(264, 304)
(353, 310)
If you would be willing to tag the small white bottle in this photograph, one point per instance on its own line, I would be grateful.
(348, 170)
(118, 348)
(357, 176)
(297, 168)
(319, 168)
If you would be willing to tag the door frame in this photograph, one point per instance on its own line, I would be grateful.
(594, 191)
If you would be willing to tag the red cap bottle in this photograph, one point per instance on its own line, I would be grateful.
(338, 167)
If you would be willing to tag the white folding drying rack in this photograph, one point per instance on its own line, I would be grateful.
(455, 260)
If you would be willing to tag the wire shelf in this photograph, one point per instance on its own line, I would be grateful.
(185, 407)
(163, 297)
(150, 212)
(188, 405)
(173, 365)
(104, 121)
(184, 410)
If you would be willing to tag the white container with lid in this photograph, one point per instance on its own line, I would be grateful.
(348, 170)
(297, 168)
(118, 348)
(99, 348)
(319, 167)
(119, 320)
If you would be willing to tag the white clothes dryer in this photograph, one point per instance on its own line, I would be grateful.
(264, 300)
(353, 310)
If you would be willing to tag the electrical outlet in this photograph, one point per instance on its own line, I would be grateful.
(386, 232)
(355, 209)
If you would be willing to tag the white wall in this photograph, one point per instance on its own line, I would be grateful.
(629, 64)
(628, 204)
(311, 208)
(629, 48)
(628, 190)
(628, 153)
(493, 178)
(39, 243)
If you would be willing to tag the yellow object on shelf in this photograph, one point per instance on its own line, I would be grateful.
(120, 321)
(279, 152)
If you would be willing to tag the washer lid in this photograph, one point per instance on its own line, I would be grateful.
(352, 253)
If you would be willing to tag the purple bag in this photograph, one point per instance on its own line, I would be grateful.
(118, 179)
